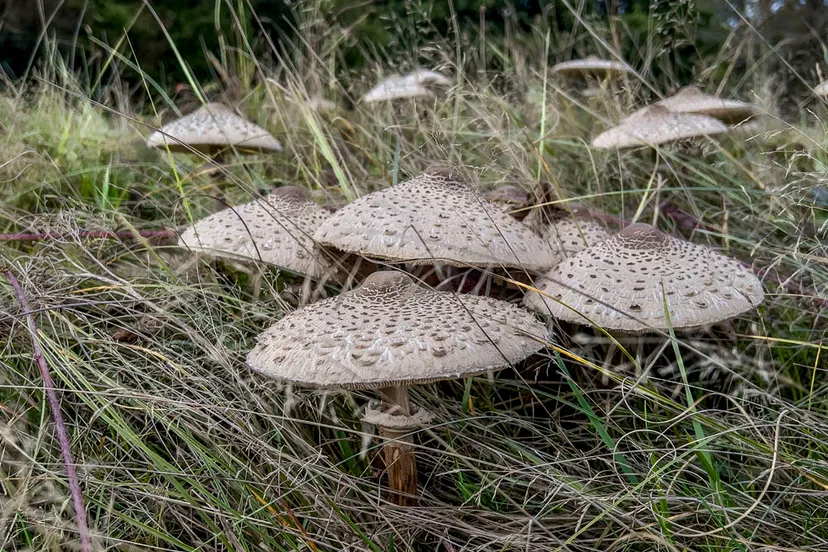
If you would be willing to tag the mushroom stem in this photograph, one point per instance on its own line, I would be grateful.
(400, 463)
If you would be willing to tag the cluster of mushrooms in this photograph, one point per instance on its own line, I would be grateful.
(409, 322)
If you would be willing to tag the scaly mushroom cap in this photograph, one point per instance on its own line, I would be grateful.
(572, 235)
(213, 126)
(590, 65)
(279, 228)
(822, 89)
(435, 218)
(658, 125)
(396, 87)
(617, 284)
(691, 99)
(389, 331)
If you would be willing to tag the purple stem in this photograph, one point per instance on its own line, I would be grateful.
(151, 234)
(54, 403)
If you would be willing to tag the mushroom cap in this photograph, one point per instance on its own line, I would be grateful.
(396, 87)
(435, 218)
(278, 227)
(390, 331)
(822, 89)
(690, 99)
(508, 195)
(591, 65)
(213, 126)
(617, 284)
(658, 125)
(426, 77)
(572, 234)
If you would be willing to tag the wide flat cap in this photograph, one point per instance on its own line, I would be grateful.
(691, 99)
(389, 331)
(435, 218)
(213, 126)
(658, 125)
(590, 65)
(622, 283)
(278, 228)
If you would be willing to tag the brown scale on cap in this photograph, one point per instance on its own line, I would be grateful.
(390, 331)
(212, 127)
(278, 227)
(425, 221)
(617, 284)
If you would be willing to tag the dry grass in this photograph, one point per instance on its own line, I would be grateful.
(180, 447)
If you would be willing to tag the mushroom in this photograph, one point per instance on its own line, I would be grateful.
(591, 65)
(396, 87)
(622, 284)
(690, 99)
(822, 89)
(574, 231)
(435, 218)
(426, 77)
(658, 125)
(276, 229)
(388, 334)
(211, 129)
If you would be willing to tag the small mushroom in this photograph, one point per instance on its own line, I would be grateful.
(821, 89)
(658, 125)
(622, 284)
(435, 218)
(390, 333)
(691, 99)
(213, 128)
(276, 229)
(426, 77)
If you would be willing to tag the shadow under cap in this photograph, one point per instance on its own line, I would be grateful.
(622, 283)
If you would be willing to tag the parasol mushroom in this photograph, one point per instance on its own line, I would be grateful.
(690, 99)
(658, 125)
(435, 218)
(388, 334)
(622, 284)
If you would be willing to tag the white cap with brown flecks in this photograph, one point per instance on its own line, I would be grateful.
(623, 283)
(390, 332)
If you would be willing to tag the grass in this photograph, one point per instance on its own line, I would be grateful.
(180, 447)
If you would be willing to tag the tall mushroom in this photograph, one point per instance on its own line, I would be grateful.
(690, 99)
(388, 334)
(435, 218)
(622, 284)
(657, 125)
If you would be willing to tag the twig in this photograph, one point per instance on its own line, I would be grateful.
(54, 403)
(160, 235)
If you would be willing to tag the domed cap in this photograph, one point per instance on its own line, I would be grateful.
(426, 77)
(389, 332)
(822, 89)
(691, 99)
(574, 233)
(617, 284)
(278, 227)
(213, 126)
(658, 125)
(590, 65)
(435, 218)
(396, 87)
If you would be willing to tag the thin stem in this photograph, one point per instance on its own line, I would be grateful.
(54, 404)
(150, 234)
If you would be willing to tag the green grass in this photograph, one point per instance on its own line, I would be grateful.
(181, 447)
